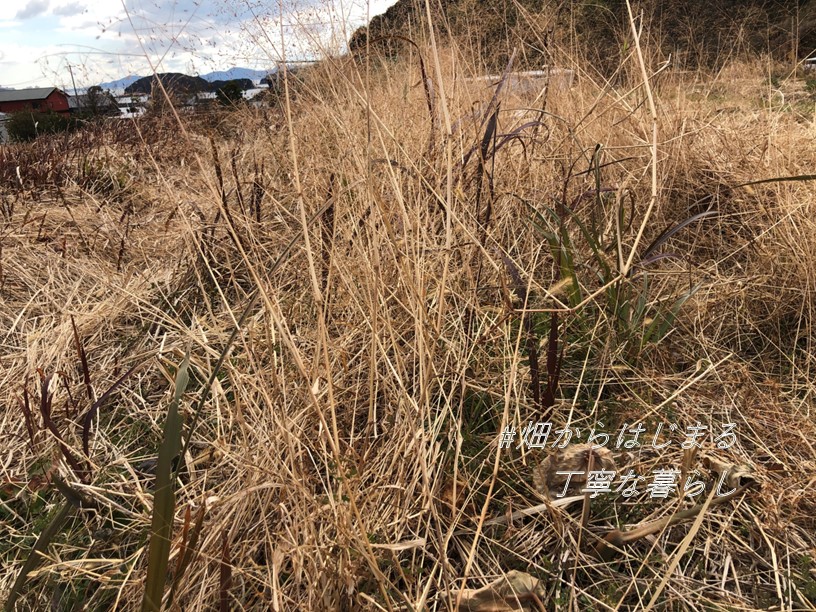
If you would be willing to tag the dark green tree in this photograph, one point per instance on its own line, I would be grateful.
(27, 125)
(230, 94)
(98, 102)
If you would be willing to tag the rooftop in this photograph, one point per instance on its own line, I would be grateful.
(20, 95)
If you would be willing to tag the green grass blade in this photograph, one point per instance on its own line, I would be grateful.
(780, 179)
(596, 250)
(164, 497)
(662, 322)
(671, 231)
(53, 528)
(564, 253)
(541, 224)
(640, 306)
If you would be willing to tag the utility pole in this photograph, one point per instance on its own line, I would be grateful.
(71, 72)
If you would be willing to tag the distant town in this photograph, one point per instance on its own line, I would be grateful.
(131, 96)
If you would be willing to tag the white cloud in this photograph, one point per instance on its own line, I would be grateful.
(103, 42)
(34, 8)
(70, 9)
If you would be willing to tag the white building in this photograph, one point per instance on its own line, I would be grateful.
(132, 105)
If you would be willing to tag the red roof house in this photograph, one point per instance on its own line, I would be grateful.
(42, 99)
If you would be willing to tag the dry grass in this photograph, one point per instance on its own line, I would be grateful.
(348, 453)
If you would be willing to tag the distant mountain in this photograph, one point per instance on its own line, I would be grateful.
(219, 75)
(183, 84)
(235, 73)
(244, 84)
(120, 83)
(179, 83)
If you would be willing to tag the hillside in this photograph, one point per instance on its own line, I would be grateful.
(183, 84)
(694, 33)
(242, 84)
(172, 81)
(218, 76)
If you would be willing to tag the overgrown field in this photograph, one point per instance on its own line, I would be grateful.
(352, 295)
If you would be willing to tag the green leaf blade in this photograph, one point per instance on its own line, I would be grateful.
(164, 498)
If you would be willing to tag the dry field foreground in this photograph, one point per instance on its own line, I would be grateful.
(388, 289)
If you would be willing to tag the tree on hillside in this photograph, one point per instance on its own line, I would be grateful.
(97, 101)
(230, 94)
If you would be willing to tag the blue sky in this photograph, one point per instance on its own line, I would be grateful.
(103, 40)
